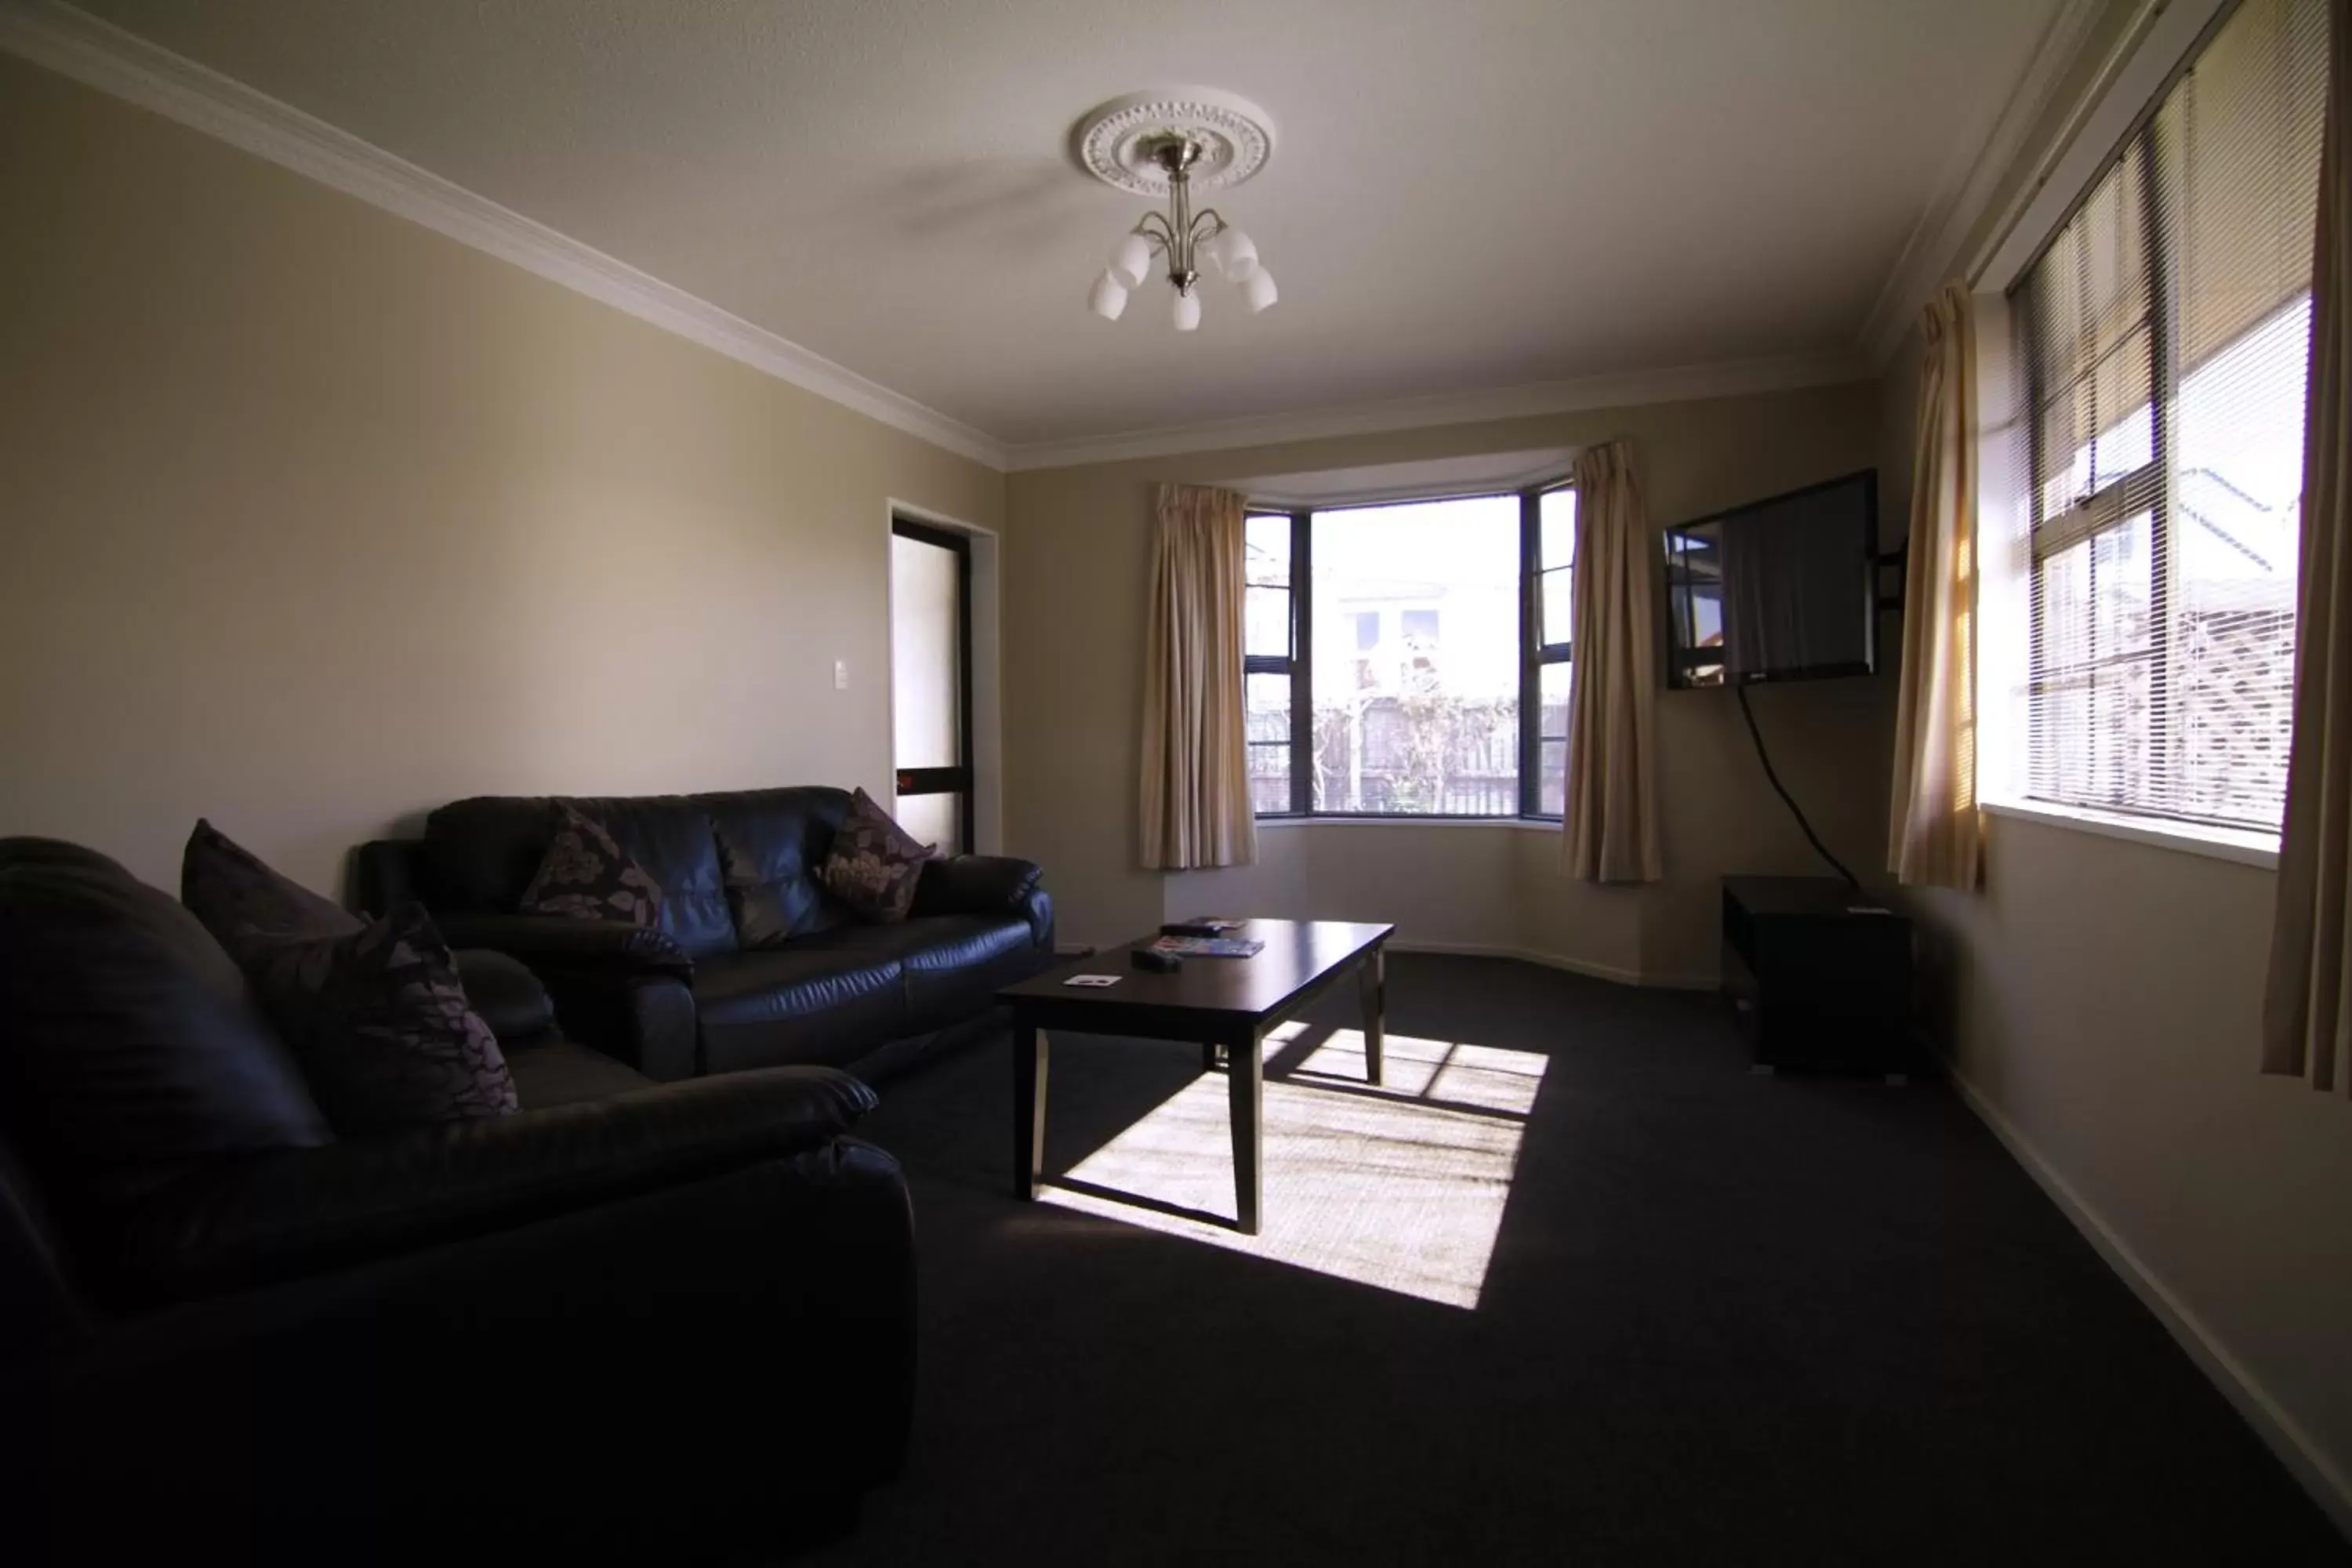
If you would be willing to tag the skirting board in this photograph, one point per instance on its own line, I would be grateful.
(1557, 960)
(2287, 1439)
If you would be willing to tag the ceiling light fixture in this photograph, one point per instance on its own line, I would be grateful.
(1170, 144)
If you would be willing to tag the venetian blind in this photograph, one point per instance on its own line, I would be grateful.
(2167, 332)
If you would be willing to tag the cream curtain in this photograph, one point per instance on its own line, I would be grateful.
(2307, 1014)
(1610, 831)
(1196, 799)
(1933, 834)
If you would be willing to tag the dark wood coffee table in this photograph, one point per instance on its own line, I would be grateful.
(1228, 1003)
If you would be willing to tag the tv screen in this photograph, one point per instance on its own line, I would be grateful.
(1784, 589)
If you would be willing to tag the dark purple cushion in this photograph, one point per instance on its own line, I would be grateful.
(874, 863)
(379, 1020)
(226, 885)
(586, 875)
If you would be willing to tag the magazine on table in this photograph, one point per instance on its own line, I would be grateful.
(1210, 946)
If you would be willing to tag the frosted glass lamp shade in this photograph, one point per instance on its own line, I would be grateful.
(1237, 254)
(1131, 262)
(1188, 312)
(1106, 298)
(1257, 292)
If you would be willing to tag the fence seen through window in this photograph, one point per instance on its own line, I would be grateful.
(1410, 660)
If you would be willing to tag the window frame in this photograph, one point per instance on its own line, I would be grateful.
(1534, 653)
(2109, 119)
(2116, 502)
(2150, 489)
(1298, 663)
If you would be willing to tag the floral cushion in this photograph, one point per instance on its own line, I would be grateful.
(379, 1021)
(874, 863)
(587, 876)
(227, 887)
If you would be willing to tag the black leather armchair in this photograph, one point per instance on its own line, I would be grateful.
(630, 1319)
(808, 985)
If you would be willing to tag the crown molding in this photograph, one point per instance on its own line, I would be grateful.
(1968, 185)
(100, 54)
(1685, 383)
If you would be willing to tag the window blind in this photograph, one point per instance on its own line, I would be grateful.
(2166, 332)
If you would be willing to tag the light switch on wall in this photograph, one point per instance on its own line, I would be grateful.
(841, 675)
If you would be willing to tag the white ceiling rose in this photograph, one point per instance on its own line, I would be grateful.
(1174, 145)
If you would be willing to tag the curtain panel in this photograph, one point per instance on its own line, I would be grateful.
(1934, 833)
(1196, 798)
(2307, 1012)
(1610, 829)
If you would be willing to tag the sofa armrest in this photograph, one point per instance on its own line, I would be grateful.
(646, 1020)
(505, 995)
(386, 870)
(312, 1209)
(976, 885)
(545, 941)
(1038, 909)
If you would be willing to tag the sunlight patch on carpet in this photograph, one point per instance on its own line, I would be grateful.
(1401, 1187)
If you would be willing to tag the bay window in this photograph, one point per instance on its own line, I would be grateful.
(1411, 659)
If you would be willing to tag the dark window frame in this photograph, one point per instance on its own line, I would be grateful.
(1535, 653)
(1298, 663)
(959, 780)
(1293, 664)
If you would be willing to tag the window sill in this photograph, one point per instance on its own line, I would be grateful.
(2187, 837)
(1524, 823)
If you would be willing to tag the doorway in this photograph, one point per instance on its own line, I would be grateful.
(930, 682)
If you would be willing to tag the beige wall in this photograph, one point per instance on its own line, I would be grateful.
(1469, 875)
(315, 519)
(1077, 573)
(2102, 999)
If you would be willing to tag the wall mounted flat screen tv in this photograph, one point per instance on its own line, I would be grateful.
(1782, 589)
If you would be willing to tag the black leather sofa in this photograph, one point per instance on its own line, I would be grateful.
(690, 998)
(648, 1321)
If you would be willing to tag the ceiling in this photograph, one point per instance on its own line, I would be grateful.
(1479, 194)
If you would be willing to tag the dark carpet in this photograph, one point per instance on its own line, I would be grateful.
(1727, 1319)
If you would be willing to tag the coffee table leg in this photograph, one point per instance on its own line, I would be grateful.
(1209, 1057)
(1028, 1110)
(1245, 1078)
(1373, 979)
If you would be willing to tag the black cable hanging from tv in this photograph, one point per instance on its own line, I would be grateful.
(1739, 690)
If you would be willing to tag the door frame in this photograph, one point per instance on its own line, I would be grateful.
(978, 780)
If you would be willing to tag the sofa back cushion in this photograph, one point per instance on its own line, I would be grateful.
(128, 1051)
(480, 854)
(773, 843)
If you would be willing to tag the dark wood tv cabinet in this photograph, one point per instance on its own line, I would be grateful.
(1818, 973)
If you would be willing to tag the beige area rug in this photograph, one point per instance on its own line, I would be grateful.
(1401, 1186)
